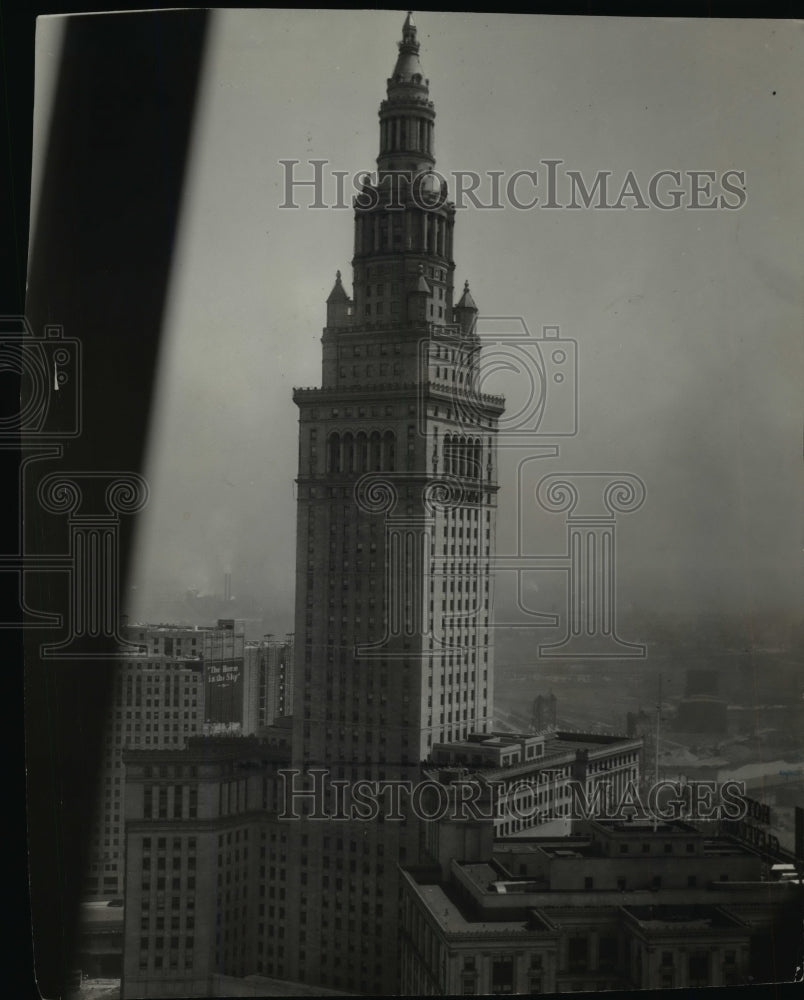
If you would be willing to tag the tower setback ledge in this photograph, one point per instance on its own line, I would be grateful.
(441, 390)
(452, 330)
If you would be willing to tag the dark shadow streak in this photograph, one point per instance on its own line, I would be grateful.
(100, 266)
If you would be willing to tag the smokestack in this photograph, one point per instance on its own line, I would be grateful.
(227, 587)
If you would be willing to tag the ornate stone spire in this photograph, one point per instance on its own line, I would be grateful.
(339, 305)
(466, 311)
(407, 64)
(407, 113)
(466, 300)
(402, 263)
(338, 293)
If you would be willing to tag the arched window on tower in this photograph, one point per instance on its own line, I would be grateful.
(362, 452)
(477, 455)
(389, 451)
(448, 455)
(462, 458)
(348, 453)
(334, 453)
(375, 452)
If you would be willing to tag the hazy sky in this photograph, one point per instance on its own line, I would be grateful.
(689, 324)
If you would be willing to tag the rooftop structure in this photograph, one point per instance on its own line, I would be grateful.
(578, 913)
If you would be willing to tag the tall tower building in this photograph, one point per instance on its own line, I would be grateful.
(395, 534)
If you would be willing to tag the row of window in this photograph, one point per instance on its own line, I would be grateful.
(376, 271)
(368, 350)
(465, 418)
(176, 863)
(394, 308)
(160, 883)
(176, 805)
(646, 848)
(176, 919)
(173, 961)
(361, 452)
(391, 229)
(369, 371)
(156, 703)
(407, 133)
(161, 844)
(149, 667)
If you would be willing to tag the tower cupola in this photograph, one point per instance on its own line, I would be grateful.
(407, 114)
(339, 305)
(466, 311)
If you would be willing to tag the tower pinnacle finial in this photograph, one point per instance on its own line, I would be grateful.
(409, 32)
(466, 304)
(338, 293)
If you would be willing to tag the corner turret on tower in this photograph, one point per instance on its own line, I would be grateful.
(466, 311)
(339, 305)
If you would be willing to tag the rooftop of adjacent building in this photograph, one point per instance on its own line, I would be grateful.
(265, 986)
(691, 919)
(91, 988)
(489, 754)
(454, 917)
(225, 624)
(211, 748)
(593, 838)
(102, 916)
(488, 896)
(156, 660)
(525, 906)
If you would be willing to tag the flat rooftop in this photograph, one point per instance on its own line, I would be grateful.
(649, 826)
(100, 915)
(209, 748)
(449, 915)
(688, 918)
(536, 845)
(570, 852)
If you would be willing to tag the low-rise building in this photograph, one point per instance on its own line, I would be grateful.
(525, 781)
(616, 905)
